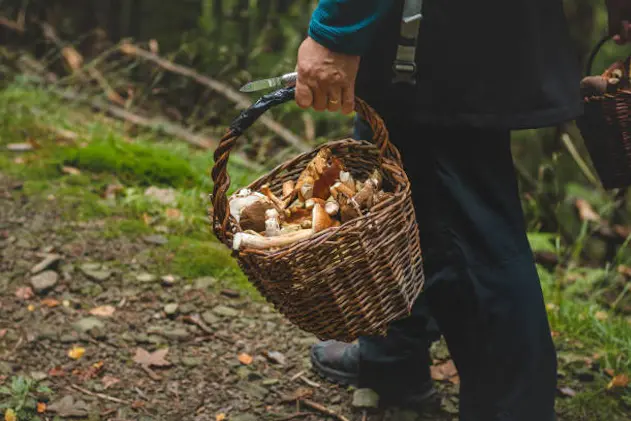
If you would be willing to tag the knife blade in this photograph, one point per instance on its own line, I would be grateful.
(285, 80)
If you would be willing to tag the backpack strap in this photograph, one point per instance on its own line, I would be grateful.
(404, 66)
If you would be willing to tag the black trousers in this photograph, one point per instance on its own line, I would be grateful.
(482, 290)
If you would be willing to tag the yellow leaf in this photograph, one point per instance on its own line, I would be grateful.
(601, 315)
(31, 307)
(41, 407)
(220, 417)
(76, 352)
(9, 415)
(245, 359)
(173, 213)
(50, 302)
(621, 381)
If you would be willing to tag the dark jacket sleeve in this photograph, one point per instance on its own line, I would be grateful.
(347, 26)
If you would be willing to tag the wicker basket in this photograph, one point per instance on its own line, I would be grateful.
(346, 281)
(606, 127)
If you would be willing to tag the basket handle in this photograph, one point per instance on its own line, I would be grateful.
(594, 53)
(220, 177)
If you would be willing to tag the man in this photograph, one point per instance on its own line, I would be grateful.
(485, 68)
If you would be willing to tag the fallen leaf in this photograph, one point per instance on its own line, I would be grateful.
(109, 381)
(137, 404)
(30, 307)
(91, 372)
(173, 213)
(68, 407)
(619, 381)
(70, 170)
(601, 315)
(19, 160)
(56, 372)
(103, 311)
(610, 372)
(76, 352)
(24, 293)
(41, 407)
(146, 219)
(245, 359)
(19, 147)
(443, 371)
(220, 417)
(3, 332)
(50, 302)
(155, 359)
(567, 391)
(585, 211)
(9, 415)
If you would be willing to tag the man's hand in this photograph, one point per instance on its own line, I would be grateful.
(326, 80)
(619, 20)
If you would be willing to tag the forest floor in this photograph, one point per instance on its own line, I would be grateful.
(116, 303)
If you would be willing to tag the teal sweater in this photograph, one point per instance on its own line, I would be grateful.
(347, 26)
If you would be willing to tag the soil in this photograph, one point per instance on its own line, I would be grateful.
(242, 362)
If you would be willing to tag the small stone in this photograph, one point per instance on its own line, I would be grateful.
(44, 281)
(158, 240)
(225, 311)
(254, 390)
(168, 280)
(188, 308)
(365, 398)
(171, 309)
(179, 334)
(191, 361)
(47, 332)
(146, 277)
(204, 283)
(49, 261)
(312, 340)
(38, 376)
(5, 368)
(209, 318)
(97, 275)
(336, 399)
(276, 357)
(88, 323)
(230, 293)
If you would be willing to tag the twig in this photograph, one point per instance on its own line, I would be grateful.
(295, 376)
(309, 382)
(240, 100)
(152, 374)
(294, 416)
(196, 320)
(100, 395)
(323, 409)
(582, 165)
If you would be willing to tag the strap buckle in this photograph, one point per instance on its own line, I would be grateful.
(404, 72)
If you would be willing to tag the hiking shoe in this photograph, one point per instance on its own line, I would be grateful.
(338, 362)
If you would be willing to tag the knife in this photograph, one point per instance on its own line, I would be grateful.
(285, 80)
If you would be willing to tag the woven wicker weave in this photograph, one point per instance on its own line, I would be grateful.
(606, 128)
(342, 282)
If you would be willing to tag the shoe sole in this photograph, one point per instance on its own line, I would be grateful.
(334, 376)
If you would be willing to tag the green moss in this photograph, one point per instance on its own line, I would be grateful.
(120, 227)
(193, 258)
(80, 203)
(135, 164)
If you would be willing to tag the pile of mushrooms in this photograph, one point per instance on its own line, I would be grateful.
(324, 196)
(609, 82)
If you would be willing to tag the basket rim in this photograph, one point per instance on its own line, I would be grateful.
(331, 232)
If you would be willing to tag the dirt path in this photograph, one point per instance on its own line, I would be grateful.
(103, 302)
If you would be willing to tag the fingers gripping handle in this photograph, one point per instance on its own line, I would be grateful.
(220, 177)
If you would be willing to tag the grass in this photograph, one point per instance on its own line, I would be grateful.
(585, 322)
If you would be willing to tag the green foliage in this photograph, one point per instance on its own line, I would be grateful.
(133, 163)
(22, 396)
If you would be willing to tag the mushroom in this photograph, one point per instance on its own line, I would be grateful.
(242, 200)
(332, 208)
(288, 188)
(272, 225)
(313, 171)
(280, 205)
(244, 240)
(347, 179)
(320, 220)
(310, 203)
(252, 217)
(323, 183)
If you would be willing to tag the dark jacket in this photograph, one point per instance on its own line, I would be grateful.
(486, 63)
